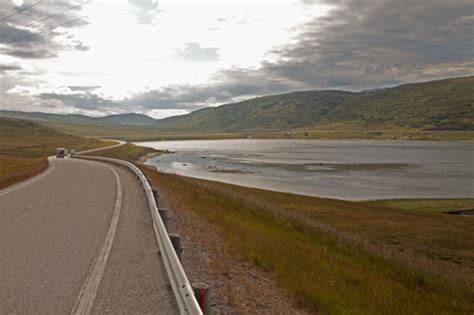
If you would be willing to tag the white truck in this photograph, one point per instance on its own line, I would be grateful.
(61, 153)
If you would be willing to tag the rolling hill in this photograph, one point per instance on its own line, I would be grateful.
(24, 146)
(128, 119)
(443, 105)
(436, 105)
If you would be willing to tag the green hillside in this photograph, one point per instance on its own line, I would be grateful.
(437, 105)
(128, 119)
(277, 112)
(24, 146)
(436, 110)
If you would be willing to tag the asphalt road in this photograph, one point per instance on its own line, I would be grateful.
(79, 239)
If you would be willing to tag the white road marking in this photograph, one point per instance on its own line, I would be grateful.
(86, 298)
(120, 142)
(31, 180)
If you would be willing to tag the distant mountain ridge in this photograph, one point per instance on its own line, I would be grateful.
(443, 105)
(436, 105)
(129, 119)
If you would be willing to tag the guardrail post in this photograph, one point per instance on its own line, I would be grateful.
(164, 217)
(176, 241)
(155, 195)
(201, 293)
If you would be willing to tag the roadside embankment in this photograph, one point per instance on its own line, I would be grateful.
(25, 146)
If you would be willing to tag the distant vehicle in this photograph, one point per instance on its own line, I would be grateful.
(72, 151)
(61, 153)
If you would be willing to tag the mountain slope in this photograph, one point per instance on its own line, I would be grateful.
(129, 119)
(439, 105)
(443, 105)
(275, 112)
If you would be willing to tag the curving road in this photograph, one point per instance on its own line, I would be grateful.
(79, 239)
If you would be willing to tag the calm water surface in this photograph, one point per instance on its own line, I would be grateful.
(344, 169)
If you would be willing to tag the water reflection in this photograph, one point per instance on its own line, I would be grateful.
(353, 170)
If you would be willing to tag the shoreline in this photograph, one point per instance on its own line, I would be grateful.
(395, 199)
(326, 226)
(250, 175)
(403, 135)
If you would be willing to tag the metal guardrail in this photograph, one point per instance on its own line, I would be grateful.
(180, 284)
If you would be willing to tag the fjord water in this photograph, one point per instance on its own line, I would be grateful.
(343, 169)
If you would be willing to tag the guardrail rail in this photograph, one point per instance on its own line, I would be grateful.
(180, 284)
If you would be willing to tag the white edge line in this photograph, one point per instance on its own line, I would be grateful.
(180, 284)
(85, 300)
(31, 180)
(50, 168)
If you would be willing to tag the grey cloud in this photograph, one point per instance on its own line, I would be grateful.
(228, 86)
(24, 38)
(359, 45)
(363, 43)
(145, 11)
(82, 47)
(195, 53)
(83, 87)
(31, 54)
(86, 101)
(5, 68)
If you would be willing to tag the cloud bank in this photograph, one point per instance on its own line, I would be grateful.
(359, 44)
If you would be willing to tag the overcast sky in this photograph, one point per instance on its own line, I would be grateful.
(165, 58)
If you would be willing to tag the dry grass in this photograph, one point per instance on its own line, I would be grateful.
(14, 170)
(333, 256)
(433, 205)
(25, 145)
(320, 260)
(128, 152)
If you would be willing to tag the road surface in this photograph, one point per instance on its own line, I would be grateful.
(79, 239)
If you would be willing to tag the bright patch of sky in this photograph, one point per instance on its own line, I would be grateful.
(181, 43)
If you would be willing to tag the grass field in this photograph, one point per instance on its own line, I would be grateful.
(432, 205)
(25, 145)
(335, 131)
(127, 152)
(338, 257)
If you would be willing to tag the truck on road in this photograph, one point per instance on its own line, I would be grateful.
(61, 153)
